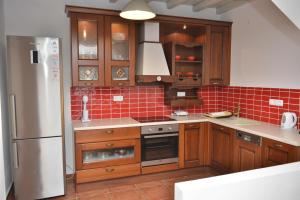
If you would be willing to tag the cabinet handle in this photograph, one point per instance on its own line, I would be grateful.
(109, 131)
(278, 145)
(109, 169)
(109, 145)
(120, 84)
(215, 83)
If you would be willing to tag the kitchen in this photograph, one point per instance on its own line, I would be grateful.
(263, 59)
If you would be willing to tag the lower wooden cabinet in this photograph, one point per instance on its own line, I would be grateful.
(277, 153)
(221, 147)
(246, 155)
(97, 174)
(107, 154)
(192, 145)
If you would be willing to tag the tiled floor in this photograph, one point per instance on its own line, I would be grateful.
(147, 187)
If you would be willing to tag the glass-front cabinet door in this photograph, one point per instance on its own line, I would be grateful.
(119, 52)
(104, 154)
(87, 32)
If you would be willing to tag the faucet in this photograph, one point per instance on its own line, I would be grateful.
(236, 110)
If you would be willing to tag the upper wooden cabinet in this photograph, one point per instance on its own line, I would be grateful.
(87, 36)
(218, 71)
(119, 52)
(103, 50)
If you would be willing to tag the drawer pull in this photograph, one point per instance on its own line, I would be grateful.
(278, 145)
(109, 145)
(109, 170)
(109, 131)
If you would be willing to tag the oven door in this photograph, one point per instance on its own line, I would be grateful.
(159, 149)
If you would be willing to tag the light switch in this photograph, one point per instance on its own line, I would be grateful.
(181, 94)
(276, 102)
(118, 98)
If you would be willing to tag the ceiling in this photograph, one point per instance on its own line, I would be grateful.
(199, 5)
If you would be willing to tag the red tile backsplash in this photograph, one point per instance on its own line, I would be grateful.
(149, 101)
(138, 101)
(254, 102)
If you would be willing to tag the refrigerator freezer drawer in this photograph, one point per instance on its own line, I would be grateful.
(38, 168)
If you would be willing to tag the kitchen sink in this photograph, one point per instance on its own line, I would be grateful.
(241, 121)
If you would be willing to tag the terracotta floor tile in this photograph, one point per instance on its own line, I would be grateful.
(122, 188)
(127, 195)
(149, 184)
(154, 193)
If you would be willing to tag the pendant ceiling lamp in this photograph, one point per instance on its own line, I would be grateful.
(137, 10)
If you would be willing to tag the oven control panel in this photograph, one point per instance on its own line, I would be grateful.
(164, 128)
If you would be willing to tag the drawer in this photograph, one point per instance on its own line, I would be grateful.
(102, 135)
(221, 128)
(191, 125)
(90, 175)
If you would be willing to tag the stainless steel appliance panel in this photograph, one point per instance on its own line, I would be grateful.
(39, 168)
(34, 86)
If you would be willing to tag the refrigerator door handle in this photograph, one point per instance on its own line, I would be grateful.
(13, 114)
(16, 156)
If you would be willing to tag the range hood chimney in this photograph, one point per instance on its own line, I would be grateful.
(151, 61)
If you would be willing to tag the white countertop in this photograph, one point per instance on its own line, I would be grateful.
(263, 129)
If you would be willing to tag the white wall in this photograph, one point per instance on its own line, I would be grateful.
(5, 162)
(265, 47)
(290, 9)
(47, 18)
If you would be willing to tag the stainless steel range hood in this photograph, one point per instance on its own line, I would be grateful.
(151, 61)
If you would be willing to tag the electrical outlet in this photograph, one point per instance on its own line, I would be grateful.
(118, 98)
(276, 102)
(181, 94)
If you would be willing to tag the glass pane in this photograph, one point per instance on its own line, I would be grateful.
(120, 73)
(87, 73)
(108, 154)
(120, 42)
(87, 39)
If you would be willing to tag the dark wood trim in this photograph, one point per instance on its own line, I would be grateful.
(153, 78)
(77, 9)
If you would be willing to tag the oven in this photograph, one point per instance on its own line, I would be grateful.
(159, 144)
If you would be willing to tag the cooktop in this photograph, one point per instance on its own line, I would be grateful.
(153, 119)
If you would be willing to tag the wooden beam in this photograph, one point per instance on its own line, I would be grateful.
(230, 5)
(205, 4)
(173, 3)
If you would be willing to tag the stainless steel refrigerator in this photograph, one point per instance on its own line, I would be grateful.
(36, 116)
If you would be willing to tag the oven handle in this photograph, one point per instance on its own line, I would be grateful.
(160, 136)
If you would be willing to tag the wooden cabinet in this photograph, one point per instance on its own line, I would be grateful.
(87, 40)
(107, 153)
(246, 152)
(277, 153)
(221, 143)
(218, 72)
(103, 50)
(119, 52)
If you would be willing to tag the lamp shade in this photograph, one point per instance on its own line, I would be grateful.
(137, 10)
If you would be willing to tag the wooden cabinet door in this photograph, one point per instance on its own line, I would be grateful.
(87, 40)
(221, 147)
(192, 142)
(119, 52)
(219, 68)
(246, 156)
(277, 153)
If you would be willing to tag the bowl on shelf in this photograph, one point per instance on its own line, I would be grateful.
(177, 57)
(191, 58)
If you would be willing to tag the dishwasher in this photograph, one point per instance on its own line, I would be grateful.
(247, 137)
(247, 151)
